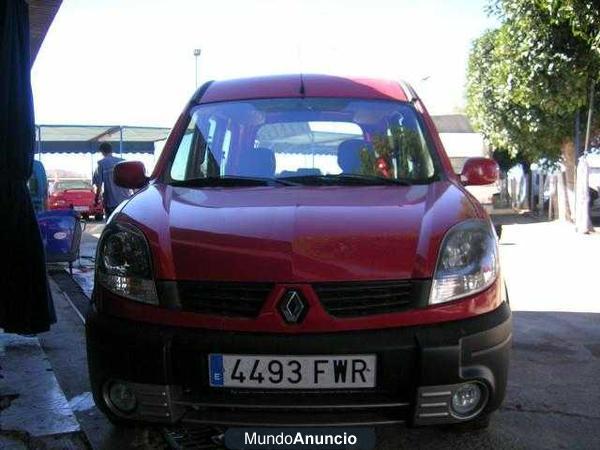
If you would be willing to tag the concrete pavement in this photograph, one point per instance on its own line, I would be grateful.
(34, 412)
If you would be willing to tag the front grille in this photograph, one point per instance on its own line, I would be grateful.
(223, 299)
(357, 299)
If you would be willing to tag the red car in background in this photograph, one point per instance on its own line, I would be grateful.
(75, 194)
(303, 254)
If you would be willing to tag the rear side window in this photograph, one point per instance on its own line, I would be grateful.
(306, 146)
(72, 184)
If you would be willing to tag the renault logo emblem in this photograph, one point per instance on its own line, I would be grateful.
(293, 307)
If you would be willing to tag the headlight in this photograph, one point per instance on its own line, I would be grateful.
(467, 262)
(123, 263)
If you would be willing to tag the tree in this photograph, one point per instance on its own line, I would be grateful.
(527, 79)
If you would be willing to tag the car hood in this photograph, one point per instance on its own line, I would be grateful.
(297, 234)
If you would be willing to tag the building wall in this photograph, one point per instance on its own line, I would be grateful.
(462, 146)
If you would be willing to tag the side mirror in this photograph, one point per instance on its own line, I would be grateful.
(479, 171)
(130, 175)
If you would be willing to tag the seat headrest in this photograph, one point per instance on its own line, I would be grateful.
(348, 157)
(257, 162)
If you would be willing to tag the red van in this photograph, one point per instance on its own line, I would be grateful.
(302, 254)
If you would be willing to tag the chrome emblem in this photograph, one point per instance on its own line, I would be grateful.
(293, 307)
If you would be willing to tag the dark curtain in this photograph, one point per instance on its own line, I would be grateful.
(25, 301)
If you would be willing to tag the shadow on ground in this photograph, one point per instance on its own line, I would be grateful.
(552, 398)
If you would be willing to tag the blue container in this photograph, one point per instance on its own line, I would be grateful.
(61, 234)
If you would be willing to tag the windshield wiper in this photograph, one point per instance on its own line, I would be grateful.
(231, 181)
(347, 179)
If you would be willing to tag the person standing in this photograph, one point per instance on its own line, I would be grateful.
(112, 195)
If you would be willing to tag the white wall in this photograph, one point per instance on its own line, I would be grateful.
(464, 144)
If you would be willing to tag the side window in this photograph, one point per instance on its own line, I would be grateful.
(225, 149)
(182, 157)
(201, 151)
(212, 127)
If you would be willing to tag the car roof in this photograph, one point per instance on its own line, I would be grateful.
(305, 85)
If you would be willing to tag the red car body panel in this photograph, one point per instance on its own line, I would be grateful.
(289, 86)
(305, 236)
(298, 234)
(317, 319)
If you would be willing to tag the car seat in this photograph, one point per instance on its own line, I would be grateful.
(348, 157)
(257, 162)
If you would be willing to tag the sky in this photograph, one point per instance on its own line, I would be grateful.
(131, 62)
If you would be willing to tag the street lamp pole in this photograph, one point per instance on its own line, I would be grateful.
(197, 53)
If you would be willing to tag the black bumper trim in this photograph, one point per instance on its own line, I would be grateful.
(408, 358)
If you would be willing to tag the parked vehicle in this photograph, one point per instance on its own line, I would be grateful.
(303, 253)
(77, 195)
(38, 187)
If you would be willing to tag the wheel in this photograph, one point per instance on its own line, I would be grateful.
(480, 423)
(99, 217)
(118, 421)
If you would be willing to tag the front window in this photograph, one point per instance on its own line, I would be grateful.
(304, 141)
(72, 184)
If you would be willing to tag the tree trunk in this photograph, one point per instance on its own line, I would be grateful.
(566, 198)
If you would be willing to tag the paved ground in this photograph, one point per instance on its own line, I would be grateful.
(553, 398)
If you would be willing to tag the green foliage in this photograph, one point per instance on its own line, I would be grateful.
(527, 78)
(401, 153)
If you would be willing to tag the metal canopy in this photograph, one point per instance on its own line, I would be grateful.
(87, 138)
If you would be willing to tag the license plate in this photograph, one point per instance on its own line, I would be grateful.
(80, 208)
(292, 372)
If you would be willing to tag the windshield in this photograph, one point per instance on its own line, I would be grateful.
(303, 141)
(72, 184)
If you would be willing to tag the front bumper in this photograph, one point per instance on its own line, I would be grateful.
(167, 367)
(80, 208)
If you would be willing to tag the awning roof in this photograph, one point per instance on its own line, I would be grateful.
(86, 138)
(101, 133)
(41, 15)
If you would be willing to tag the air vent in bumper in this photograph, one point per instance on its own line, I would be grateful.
(223, 298)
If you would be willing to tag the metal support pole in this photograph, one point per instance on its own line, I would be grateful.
(120, 141)
(552, 189)
(541, 193)
(589, 118)
(531, 193)
(197, 53)
(40, 143)
(578, 149)
(37, 140)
